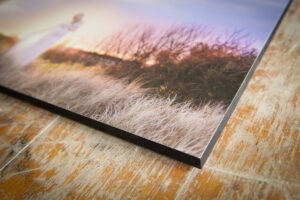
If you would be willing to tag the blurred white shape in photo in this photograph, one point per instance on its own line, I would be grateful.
(35, 44)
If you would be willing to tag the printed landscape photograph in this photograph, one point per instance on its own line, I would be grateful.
(164, 70)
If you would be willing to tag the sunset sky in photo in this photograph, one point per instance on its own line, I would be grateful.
(253, 17)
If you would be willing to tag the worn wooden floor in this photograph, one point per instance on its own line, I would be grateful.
(45, 156)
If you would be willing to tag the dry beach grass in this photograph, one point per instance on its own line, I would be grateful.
(183, 126)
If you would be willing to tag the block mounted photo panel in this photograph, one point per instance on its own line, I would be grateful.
(165, 75)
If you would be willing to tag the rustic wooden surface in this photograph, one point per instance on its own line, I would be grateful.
(45, 156)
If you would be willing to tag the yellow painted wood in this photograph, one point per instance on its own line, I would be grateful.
(256, 157)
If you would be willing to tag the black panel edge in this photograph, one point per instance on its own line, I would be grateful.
(239, 93)
(138, 140)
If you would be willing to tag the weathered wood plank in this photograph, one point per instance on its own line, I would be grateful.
(257, 155)
(19, 124)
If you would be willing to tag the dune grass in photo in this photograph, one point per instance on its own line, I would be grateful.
(126, 106)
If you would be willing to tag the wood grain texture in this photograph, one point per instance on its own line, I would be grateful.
(256, 157)
(19, 124)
